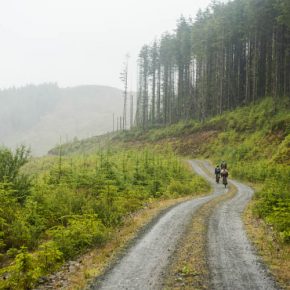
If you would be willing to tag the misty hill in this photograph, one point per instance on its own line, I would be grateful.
(39, 115)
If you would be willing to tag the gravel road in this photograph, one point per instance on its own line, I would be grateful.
(144, 264)
(232, 260)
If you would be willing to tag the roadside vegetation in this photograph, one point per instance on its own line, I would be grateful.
(190, 79)
(55, 208)
(231, 57)
(255, 142)
(256, 145)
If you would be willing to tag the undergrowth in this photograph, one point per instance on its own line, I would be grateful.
(72, 203)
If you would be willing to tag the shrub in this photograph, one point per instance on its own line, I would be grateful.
(49, 257)
(274, 206)
(22, 274)
(79, 233)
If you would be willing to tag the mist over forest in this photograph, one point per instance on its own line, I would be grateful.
(39, 116)
(173, 173)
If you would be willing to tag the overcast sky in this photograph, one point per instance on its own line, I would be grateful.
(74, 42)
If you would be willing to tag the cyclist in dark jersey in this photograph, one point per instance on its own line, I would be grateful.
(217, 172)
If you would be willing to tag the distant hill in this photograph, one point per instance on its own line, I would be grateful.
(39, 116)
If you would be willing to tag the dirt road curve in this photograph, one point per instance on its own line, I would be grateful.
(232, 261)
(143, 266)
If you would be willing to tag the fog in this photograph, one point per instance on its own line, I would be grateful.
(76, 42)
(72, 43)
(44, 115)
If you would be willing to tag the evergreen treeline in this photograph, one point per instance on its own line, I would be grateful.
(231, 55)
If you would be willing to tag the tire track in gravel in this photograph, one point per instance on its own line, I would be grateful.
(144, 264)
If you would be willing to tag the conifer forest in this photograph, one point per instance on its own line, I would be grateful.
(229, 55)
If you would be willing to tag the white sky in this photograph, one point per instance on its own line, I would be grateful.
(74, 42)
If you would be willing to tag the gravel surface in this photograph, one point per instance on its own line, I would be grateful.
(232, 259)
(144, 264)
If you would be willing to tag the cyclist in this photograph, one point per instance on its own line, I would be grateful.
(217, 172)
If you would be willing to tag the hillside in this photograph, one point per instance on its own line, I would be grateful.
(39, 115)
(254, 139)
(255, 142)
(86, 204)
(100, 182)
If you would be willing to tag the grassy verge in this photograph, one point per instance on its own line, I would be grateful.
(273, 251)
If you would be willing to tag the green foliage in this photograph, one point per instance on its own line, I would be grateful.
(255, 141)
(27, 268)
(49, 257)
(10, 164)
(76, 202)
(22, 274)
(274, 205)
(256, 145)
(10, 212)
(78, 233)
(282, 154)
(158, 133)
(179, 188)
